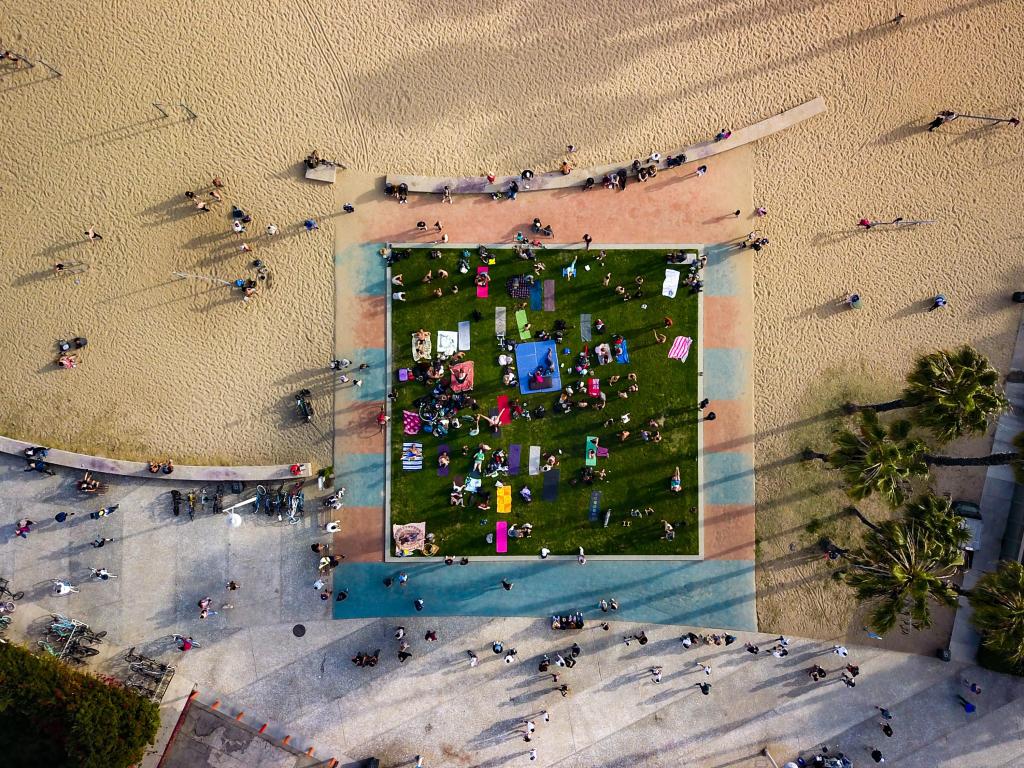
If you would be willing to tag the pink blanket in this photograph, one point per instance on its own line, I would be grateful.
(411, 422)
(459, 368)
(680, 348)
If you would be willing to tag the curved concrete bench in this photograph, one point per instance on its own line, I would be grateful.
(463, 185)
(141, 469)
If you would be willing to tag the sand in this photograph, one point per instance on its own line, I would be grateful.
(182, 369)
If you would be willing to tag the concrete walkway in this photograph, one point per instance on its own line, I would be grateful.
(107, 466)
(996, 500)
(694, 153)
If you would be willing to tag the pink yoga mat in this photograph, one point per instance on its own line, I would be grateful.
(501, 536)
(481, 290)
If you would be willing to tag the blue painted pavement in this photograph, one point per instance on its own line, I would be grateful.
(712, 593)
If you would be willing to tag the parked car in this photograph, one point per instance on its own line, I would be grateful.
(971, 515)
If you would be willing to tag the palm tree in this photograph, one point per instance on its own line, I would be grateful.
(936, 514)
(998, 602)
(901, 568)
(952, 394)
(875, 458)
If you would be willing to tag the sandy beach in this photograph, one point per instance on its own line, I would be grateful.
(182, 368)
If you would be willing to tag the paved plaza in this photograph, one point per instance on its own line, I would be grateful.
(435, 704)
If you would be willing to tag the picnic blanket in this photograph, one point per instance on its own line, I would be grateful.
(411, 422)
(464, 336)
(624, 356)
(536, 298)
(590, 455)
(473, 482)
(504, 499)
(409, 536)
(501, 536)
(412, 456)
(481, 290)
(534, 461)
(519, 286)
(680, 348)
(514, 452)
(522, 322)
(670, 284)
(549, 295)
(585, 327)
(550, 489)
(595, 506)
(604, 353)
(442, 471)
(504, 412)
(421, 348)
(464, 367)
(593, 388)
(447, 343)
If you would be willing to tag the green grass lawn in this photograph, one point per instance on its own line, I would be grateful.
(638, 472)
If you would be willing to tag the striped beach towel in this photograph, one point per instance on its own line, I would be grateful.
(680, 348)
(412, 456)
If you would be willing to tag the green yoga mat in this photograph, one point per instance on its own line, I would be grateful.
(591, 453)
(521, 321)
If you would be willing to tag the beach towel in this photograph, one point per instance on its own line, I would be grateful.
(411, 422)
(496, 430)
(514, 451)
(473, 483)
(595, 506)
(464, 367)
(481, 290)
(442, 471)
(550, 490)
(624, 356)
(593, 388)
(504, 499)
(447, 343)
(604, 353)
(409, 536)
(501, 537)
(536, 298)
(549, 295)
(670, 284)
(534, 461)
(585, 327)
(504, 412)
(680, 348)
(412, 456)
(421, 348)
(522, 322)
(499, 321)
(590, 452)
(464, 336)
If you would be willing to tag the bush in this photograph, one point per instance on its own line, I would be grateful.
(53, 715)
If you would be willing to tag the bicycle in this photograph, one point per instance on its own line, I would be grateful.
(5, 622)
(6, 607)
(191, 498)
(101, 573)
(48, 648)
(180, 639)
(5, 590)
(157, 673)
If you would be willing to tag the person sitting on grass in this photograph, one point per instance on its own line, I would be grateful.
(676, 484)
(523, 531)
(551, 461)
(526, 494)
(669, 532)
(443, 460)
(485, 500)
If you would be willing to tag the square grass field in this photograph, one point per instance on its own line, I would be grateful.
(638, 472)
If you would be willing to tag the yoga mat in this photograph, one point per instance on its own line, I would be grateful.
(481, 290)
(503, 410)
(536, 298)
(504, 499)
(549, 295)
(534, 465)
(550, 489)
(513, 458)
(624, 357)
(590, 460)
(522, 322)
(595, 506)
(501, 536)
(442, 471)
(585, 327)
(499, 321)
(464, 336)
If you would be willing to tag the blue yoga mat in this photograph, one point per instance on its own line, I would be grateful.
(595, 506)
(624, 357)
(550, 489)
(536, 297)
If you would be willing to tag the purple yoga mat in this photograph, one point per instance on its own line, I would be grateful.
(442, 471)
(513, 458)
(549, 295)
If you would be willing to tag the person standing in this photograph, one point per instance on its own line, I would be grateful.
(876, 755)
(656, 674)
(93, 235)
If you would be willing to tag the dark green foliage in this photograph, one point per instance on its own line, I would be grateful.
(51, 715)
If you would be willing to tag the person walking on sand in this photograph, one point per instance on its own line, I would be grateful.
(310, 225)
(92, 234)
(937, 303)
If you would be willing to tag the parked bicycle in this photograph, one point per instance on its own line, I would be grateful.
(5, 591)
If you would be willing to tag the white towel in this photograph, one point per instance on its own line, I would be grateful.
(671, 283)
(534, 460)
(447, 343)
